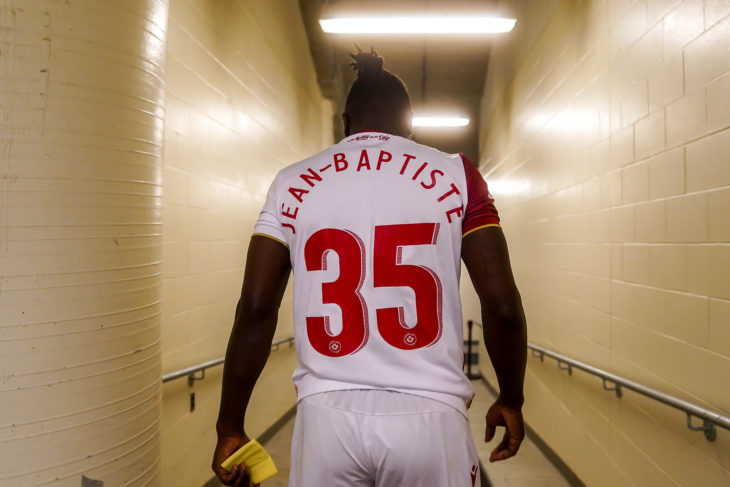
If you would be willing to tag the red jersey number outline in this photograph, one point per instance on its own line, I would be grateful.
(388, 271)
(343, 291)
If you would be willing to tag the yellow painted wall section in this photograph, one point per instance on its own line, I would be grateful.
(607, 153)
(81, 133)
(242, 102)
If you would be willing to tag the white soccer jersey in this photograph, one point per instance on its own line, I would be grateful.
(374, 227)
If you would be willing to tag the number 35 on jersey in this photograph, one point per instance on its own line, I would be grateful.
(388, 272)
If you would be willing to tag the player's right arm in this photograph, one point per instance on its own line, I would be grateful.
(264, 282)
(485, 255)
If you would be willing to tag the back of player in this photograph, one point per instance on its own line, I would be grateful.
(374, 227)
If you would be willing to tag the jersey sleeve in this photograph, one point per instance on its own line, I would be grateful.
(269, 221)
(480, 211)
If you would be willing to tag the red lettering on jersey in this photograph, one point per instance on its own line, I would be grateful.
(325, 168)
(383, 158)
(363, 157)
(298, 193)
(433, 179)
(458, 212)
(408, 158)
(287, 213)
(289, 225)
(423, 166)
(340, 162)
(311, 176)
(453, 190)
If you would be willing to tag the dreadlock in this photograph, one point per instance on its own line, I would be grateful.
(376, 94)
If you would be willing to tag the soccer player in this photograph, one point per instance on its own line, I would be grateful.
(374, 229)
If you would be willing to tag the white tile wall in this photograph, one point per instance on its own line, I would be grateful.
(242, 102)
(625, 104)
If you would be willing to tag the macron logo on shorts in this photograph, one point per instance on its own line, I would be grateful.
(474, 470)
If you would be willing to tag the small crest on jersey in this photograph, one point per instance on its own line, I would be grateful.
(409, 339)
(335, 346)
(360, 137)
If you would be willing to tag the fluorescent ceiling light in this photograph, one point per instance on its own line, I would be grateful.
(418, 25)
(425, 121)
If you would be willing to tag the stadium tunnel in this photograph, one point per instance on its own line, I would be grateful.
(139, 137)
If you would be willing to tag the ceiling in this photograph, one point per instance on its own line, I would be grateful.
(442, 74)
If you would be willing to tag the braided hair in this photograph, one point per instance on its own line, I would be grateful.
(376, 95)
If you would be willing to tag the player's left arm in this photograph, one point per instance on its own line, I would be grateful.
(484, 250)
(505, 334)
(267, 272)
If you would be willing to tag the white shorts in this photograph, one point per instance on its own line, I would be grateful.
(380, 438)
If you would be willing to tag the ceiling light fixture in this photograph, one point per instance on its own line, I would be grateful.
(426, 121)
(418, 25)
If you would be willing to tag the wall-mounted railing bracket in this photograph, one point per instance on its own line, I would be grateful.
(616, 387)
(195, 376)
(707, 428)
(197, 372)
(565, 366)
(711, 420)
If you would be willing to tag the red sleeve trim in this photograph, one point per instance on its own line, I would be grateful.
(480, 210)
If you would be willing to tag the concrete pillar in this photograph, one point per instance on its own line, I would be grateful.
(81, 134)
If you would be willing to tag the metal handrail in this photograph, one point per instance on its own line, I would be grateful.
(191, 371)
(615, 383)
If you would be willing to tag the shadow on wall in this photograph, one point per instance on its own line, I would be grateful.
(287, 44)
(87, 482)
(578, 17)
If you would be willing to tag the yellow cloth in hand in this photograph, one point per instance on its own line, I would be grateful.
(257, 459)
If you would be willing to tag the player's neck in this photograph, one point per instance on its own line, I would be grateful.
(378, 128)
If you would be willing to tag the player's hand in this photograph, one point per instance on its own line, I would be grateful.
(511, 419)
(238, 476)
